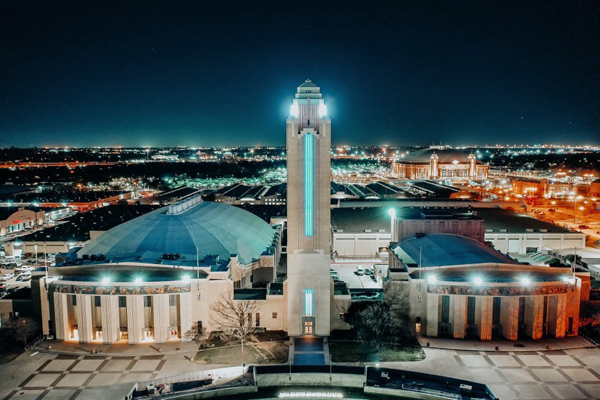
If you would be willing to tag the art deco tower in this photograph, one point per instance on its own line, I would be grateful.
(308, 213)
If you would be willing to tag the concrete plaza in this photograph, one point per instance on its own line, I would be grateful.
(569, 371)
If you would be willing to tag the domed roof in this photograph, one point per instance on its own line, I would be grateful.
(213, 228)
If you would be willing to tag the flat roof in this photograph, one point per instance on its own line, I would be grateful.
(513, 222)
(360, 219)
(379, 219)
(123, 273)
(59, 196)
(250, 294)
(496, 273)
(77, 228)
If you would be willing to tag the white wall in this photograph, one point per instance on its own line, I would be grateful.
(518, 243)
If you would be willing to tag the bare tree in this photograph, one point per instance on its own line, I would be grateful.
(234, 317)
(397, 298)
(23, 329)
(373, 324)
(197, 333)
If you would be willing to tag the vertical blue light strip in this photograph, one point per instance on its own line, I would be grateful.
(309, 143)
(308, 302)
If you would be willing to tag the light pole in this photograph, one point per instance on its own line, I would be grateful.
(392, 213)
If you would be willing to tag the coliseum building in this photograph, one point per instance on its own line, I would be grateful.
(433, 163)
(152, 278)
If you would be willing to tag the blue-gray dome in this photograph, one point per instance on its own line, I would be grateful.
(214, 228)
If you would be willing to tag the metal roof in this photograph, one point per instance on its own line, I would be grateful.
(215, 229)
(438, 250)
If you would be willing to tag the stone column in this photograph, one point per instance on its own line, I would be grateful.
(135, 318)
(185, 313)
(61, 317)
(84, 318)
(109, 307)
(458, 316)
(433, 316)
(483, 317)
(557, 311)
(509, 317)
(160, 310)
(534, 315)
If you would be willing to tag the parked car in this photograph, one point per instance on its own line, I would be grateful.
(24, 277)
(6, 277)
(359, 271)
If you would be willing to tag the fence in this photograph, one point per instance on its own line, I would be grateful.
(35, 342)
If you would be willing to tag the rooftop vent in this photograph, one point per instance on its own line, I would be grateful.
(182, 206)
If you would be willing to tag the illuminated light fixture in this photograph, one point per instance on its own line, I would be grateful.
(308, 302)
(295, 110)
(392, 212)
(311, 395)
(322, 110)
(566, 279)
(432, 279)
(138, 281)
(105, 280)
(477, 281)
(186, 278)
(455, 162)
(525, 281)
(309, 143)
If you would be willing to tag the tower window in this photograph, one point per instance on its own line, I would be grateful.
(308, 303)
(308, 183)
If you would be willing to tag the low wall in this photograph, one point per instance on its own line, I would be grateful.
(207, 394)
(310, 379)
(406, 394)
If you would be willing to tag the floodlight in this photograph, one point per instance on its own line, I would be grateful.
(322, 110)
(186, 278)
(106, 280)
(138, 281)
(392, 212)
(525, 281)
(431, 279)
(295, 111)
(477, 280)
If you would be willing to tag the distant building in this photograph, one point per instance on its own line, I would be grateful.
(364, 231)
(433, 163)
(542, 188)
(76, 231)
(18, 219)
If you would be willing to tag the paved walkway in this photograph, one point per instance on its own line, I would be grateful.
(526, 373)
(567, 343)
(94, 377)
(309, 350)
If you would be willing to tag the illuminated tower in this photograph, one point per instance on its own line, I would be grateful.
(308, 213)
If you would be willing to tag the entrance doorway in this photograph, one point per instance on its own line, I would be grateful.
(308, 328)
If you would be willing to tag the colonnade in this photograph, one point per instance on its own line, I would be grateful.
(111, 318)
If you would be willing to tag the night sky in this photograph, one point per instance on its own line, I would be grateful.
(205, 73)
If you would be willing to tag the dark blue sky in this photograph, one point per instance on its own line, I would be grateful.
(224, 73)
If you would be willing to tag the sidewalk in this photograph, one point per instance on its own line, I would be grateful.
(568, 343)
(60, 347)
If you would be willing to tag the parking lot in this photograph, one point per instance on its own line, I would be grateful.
(347, 272)
(15, 273)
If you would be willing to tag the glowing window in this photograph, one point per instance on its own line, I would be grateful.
(308, 303)
(309, 143)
